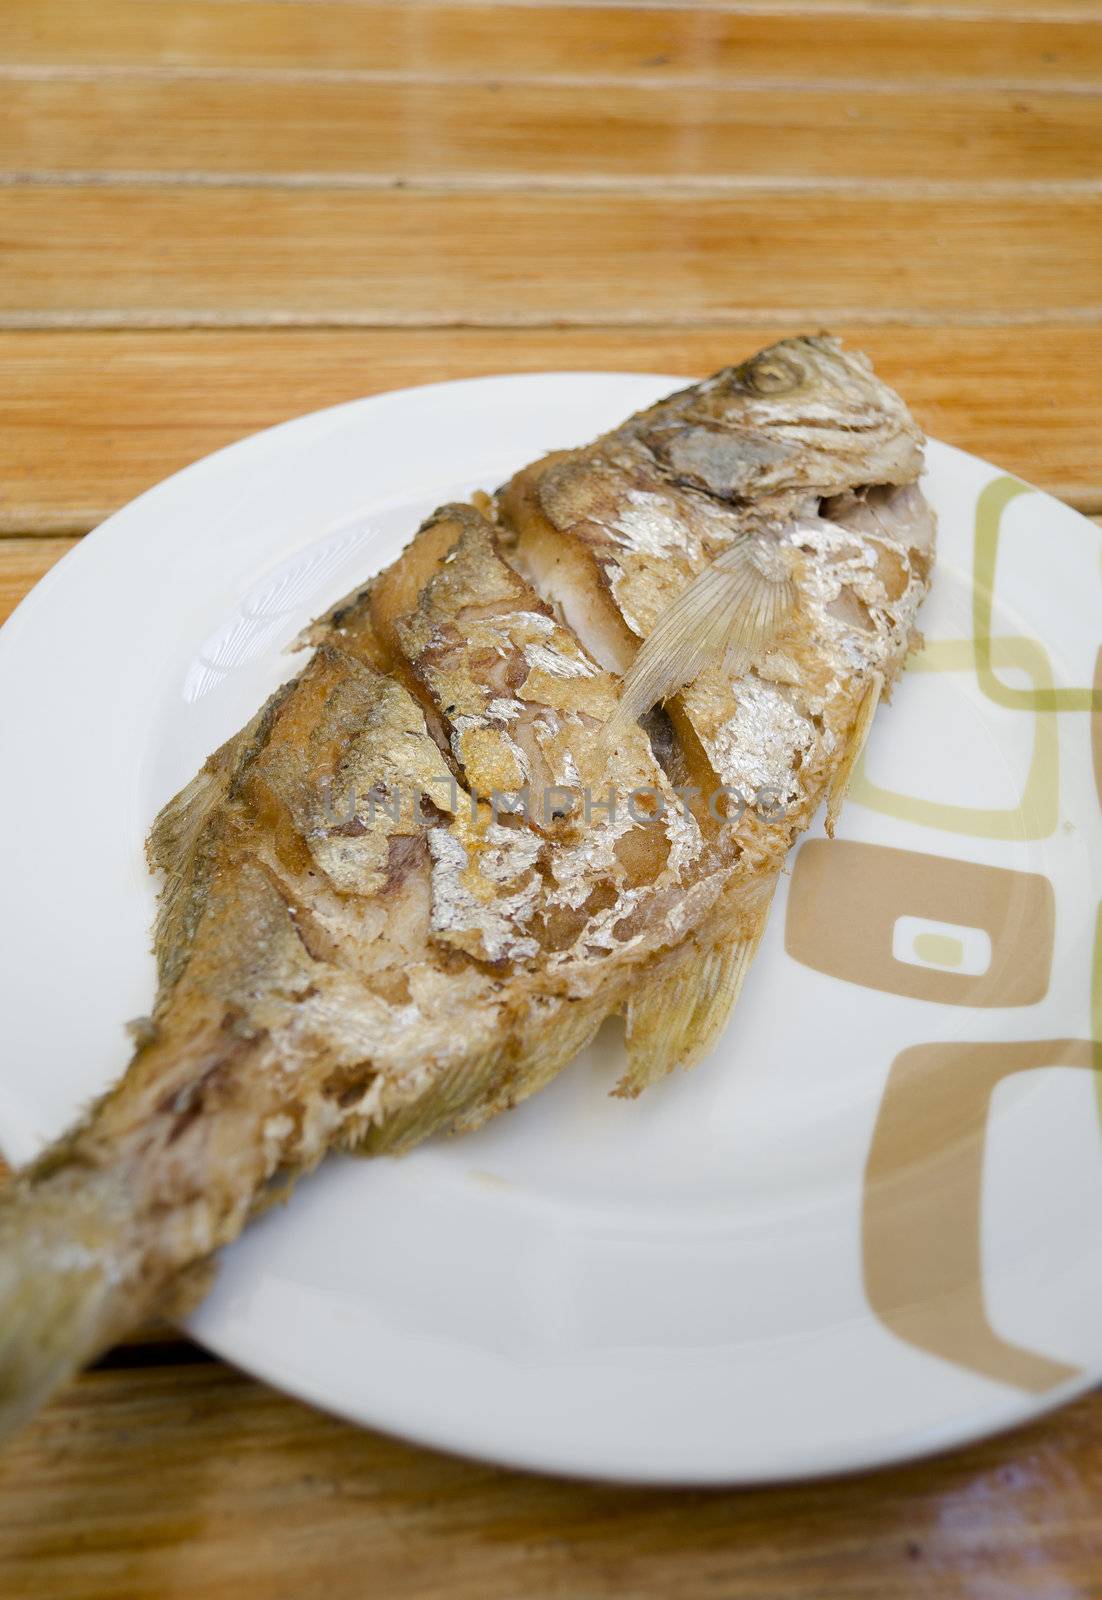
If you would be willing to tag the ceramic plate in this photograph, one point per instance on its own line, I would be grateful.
(866, 1227)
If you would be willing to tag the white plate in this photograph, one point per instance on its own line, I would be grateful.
(797, 1259)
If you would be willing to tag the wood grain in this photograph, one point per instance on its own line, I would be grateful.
(1028, 10)
(543, 133)
(347, 196)
(1035, 10)
(22, 563)
(1032, 10)
(132, 408)
(172, 1483)
(150, 255)
(484, 41)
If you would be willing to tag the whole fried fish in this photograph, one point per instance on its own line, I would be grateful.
(410, 890)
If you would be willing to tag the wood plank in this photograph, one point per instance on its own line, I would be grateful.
(22, 563)
(488, 41)
(133, 407)
(1033, 9)
(192, 1481)
(149, 255)
(543, 133)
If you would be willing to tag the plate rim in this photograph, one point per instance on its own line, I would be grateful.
(1019, 1409)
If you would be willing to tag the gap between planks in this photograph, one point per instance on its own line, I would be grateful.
(647, 185)
(160, 75)
(133, 407)
(186, 320)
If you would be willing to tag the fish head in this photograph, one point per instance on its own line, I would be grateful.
(802, 415)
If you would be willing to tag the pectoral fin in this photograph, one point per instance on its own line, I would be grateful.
(728, 614)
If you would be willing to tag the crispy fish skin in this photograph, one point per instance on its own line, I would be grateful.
(357, 949)
(776, 447)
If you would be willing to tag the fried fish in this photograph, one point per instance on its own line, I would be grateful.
(544, 769)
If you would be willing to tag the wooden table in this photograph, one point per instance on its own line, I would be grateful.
(215, 214)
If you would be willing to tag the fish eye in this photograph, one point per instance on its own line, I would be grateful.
(769, 375)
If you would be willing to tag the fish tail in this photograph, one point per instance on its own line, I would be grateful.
(63, 1291)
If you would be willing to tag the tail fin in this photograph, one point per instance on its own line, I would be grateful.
(63, 1290)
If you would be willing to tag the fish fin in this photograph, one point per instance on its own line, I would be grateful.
(175, 848)
(62, 1246)
(839, 784)
(729, 613)
(189, 1289)
(471, 1092)
(541, 1061)
(436, 1108)
(676, 1021)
